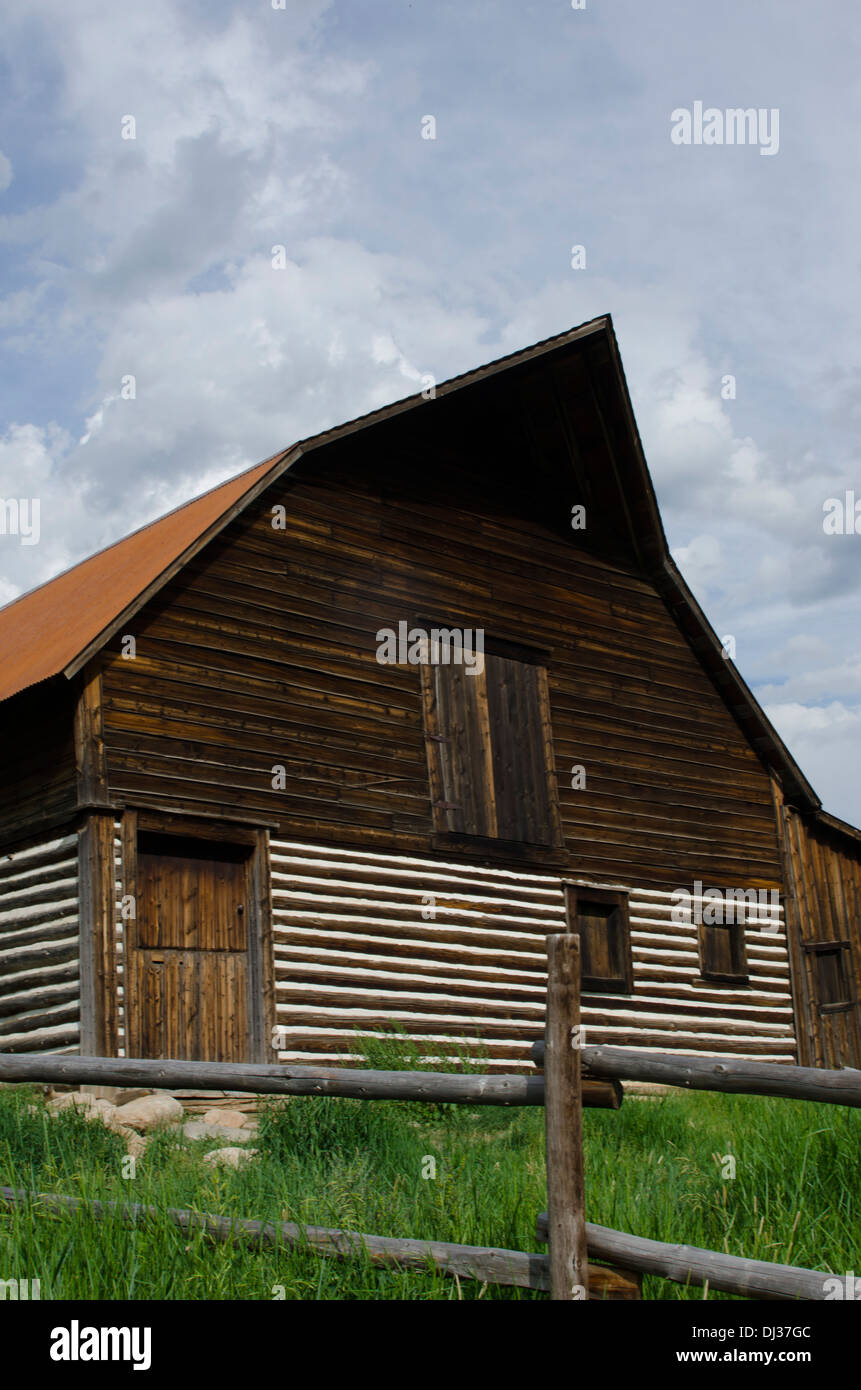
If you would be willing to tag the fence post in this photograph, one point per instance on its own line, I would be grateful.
(563, 1113)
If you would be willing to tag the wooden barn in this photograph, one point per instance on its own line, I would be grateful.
(314, 754)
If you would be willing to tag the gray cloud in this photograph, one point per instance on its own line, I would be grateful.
(301, 128)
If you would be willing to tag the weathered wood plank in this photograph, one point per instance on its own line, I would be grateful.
(98, 934)
(566, 1193)
(494, 1266)
(628, 697)
(687, 1264)
(721, 1074)
(463, 1089)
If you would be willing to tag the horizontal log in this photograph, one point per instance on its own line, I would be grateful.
(22, 1005)
(721, 1074)
(22, 861)
(687, 1264)
(450, 1087)
(45, 1040)
(494, 1266)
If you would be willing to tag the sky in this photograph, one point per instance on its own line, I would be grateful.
(153, 342)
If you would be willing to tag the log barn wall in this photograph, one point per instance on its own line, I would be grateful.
(262, 653)
(455, 954)
(119, 941)
(40, 989)
(247, 690)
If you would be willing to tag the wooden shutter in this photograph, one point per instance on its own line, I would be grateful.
(520, 772)
(489, 750)
(722, 952)
(832, 978)
(600, 918)
(465, 756)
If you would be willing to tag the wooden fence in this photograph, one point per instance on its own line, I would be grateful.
(569, 1271)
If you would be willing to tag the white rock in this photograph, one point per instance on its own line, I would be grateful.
(72, 1100)
(95, 1108)
(230, 1157)
(91, 1106)
(228, 1119)
(149, 1112)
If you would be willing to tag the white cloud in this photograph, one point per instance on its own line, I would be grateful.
(256, 127)
(700, 561)
(825, 738)
(29, 460)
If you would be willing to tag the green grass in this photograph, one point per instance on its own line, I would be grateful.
(652, 1168)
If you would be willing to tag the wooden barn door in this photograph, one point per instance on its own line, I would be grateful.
(832, 990)
(191, 973)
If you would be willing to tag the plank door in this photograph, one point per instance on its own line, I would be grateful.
(835, 1004)
(191, 974)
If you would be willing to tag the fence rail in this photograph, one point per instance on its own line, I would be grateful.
(350, 1082)
(720, 1074)
(562, 1090)
(688, 1264)
(514, 1268)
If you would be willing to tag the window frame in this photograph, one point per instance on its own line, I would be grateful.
(738, 950)
(495, 846)
(577, 893)
(841, 949)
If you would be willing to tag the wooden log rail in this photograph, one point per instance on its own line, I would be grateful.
(687, 1264)
(720, 1074)
(515, 1268)
(565, 1271)
(450, 1087)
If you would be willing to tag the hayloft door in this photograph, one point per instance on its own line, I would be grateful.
(190, 976)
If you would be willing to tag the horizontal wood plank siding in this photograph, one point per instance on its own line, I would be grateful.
(40, 994)
(263, 653)
(353, 952)
(38, 786)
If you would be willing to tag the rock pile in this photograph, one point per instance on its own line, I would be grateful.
(137, 1118)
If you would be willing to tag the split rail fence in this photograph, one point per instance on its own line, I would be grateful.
(583, 1260)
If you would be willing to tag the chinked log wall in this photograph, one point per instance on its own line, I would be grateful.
(263, 651)
(453, 952)
(40, 992)
(456, 954)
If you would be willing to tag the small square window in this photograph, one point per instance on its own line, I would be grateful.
(722, 952)
(833, 991)
(600, 918)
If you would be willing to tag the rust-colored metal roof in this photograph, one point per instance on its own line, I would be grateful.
(42, 632)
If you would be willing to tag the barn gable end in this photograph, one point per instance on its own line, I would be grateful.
(239, 746)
